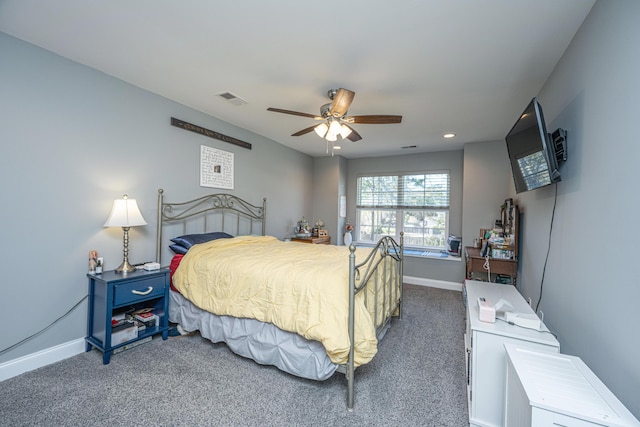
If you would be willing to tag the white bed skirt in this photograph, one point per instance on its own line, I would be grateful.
(263, 342)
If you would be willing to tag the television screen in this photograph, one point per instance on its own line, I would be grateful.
(533, 158)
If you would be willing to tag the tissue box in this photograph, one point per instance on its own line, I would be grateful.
(486, 310)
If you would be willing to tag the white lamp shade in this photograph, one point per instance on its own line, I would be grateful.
(334, 128)
(125, 213)
(345, 131)
(321, 129)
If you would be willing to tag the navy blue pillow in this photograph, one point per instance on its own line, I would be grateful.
(178, 249)
(189, 240)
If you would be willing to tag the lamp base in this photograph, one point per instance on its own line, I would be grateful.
(125, 267)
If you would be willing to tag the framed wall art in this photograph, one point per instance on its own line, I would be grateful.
(216, 168)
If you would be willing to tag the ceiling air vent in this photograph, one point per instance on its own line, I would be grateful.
(234, 99)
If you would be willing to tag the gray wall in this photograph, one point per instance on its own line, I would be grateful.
(487, 182)
(73, 139)
(591, 288)
(327, 181)
(436, 269)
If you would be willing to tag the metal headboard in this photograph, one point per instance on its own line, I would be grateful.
(200, 207)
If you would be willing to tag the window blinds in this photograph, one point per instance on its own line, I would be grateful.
(417, 191)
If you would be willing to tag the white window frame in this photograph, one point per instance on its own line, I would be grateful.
(401, 208)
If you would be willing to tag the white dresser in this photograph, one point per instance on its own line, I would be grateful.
(546, 390)
(485, 351)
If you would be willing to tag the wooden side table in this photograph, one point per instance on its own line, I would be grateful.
(314, 240)
(475, 263)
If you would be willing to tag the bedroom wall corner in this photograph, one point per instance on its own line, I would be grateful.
(487, 183)
(329, 183)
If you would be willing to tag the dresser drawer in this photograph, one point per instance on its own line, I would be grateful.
(139, 290)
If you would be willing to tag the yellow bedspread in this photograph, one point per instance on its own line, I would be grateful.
(299, 287)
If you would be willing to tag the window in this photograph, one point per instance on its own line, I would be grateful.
(416, 203)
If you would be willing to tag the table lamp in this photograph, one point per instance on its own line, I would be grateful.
(125, 214)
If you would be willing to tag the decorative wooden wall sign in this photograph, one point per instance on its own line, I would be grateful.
(210, 133)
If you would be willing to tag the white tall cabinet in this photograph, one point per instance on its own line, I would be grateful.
(485, 351)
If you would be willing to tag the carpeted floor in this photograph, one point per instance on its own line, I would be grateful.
(416, 379)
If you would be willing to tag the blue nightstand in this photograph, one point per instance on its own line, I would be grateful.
(111, 293)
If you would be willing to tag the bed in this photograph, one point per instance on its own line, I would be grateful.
(310, 310)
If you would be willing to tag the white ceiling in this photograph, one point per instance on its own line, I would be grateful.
(462, 66)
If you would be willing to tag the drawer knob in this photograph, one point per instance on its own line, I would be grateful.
(147, 292)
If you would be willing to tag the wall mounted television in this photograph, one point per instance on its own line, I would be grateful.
(534, 153)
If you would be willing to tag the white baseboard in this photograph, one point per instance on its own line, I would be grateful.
(440, 284)
(41, 358)
(45, 357)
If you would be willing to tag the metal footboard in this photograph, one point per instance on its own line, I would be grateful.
(379, 276)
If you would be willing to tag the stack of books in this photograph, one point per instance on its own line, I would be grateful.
(146, 317)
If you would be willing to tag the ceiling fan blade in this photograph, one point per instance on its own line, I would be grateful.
(353, 136)
(295, 113)
(341, 102)
(304, 131)
(374, 119)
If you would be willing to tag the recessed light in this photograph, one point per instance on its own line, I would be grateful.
(337, 147)
(449, 135)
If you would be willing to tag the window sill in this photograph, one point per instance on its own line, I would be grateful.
(432, 255)
(419, 253)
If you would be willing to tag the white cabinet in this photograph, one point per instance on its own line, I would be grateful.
(485, 351)
(546, 390)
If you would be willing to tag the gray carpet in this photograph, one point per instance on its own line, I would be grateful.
(416, 379)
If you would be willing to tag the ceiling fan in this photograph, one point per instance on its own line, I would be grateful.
(335, 121)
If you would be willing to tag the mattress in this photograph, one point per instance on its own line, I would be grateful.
(300, 288)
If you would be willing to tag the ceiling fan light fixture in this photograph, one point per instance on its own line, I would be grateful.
(345, 131)
(335, 128)
(321, 129)
(331, 136)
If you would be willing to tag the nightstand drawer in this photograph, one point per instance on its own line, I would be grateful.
(138, 290)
